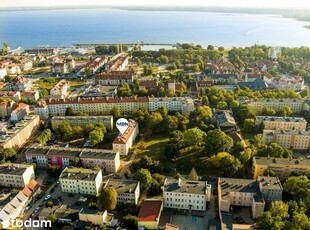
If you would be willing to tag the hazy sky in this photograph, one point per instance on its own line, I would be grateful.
(237, 3)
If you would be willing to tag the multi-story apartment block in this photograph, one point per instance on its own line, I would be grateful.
(286, 123)
(127, 190)
(283, 167)
(6, 108)
(83, 121)
(123, 142)
(240, 192)
(80, 181)
(114, 78)
(107, 160)
(60, 89)
(297, 105)
(31, 95)
(19, 83)
(19, 111)
(290, 139)
(11, 94)
(20, 133)
(149, 214)
(270, 188)
(63, 66)
(185, 194)
(100, 105)
(119, 63)
(177, 104)
(93, 65)
(16, 175)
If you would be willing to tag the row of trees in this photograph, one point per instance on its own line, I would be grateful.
(92, 132)
(44, 137)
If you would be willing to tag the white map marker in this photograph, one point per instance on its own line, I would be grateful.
(122, 124)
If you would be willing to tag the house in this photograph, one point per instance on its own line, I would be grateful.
(185, 194)
(127, 190)
(16, 175)
(31, 95)
(93, 65)
(3, 72)
(153, 84)
(13, 69)
(81, 180)
(204, 84)
(95, 217)
(123, 142)
(149, 214)
(289, 83)
(19, 111)
(225, 120)
(60, 89)
(25, 64)
(67, 214)
(119, 63)
(19, 83)
(270, 188)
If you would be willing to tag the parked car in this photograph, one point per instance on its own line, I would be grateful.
(37, 209)
(47, 197)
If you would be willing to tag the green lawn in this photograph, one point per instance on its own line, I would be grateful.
(154, 148)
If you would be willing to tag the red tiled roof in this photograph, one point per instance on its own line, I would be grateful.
(19, 107)
(150, 210)
(114, 75)
(28, 93)
(123, 138)
(27, 192)
(7, 93)
(33, 185)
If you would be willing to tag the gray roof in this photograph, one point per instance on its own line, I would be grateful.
(279, 119)
(185, 186)
(98, 154)
(79, 174)
(123, 186)
(257, 84)
(283, 161)
(286, 132)
(225, 117)
(13, 169)
(270, 183)
(228, 185)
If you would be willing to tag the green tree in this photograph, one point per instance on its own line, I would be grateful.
(153, 122)
(52, 217)
(96, 136)
(193, 137)
(145, 178)
(268, 112)
(221, 105)
(139, 62)
(204, 113)
(130, 221)
(269, 172)
(124, 90)
(210, 47)
(249, 125)
(163, 111)
(70, 111)
(116, 111)
(7, 154)
(108, 198)
(154, 188)
(304, 93)
(6, 47)
(193, 175)
(233, 104)
(217, 141)
(229, 166)
(88, 72)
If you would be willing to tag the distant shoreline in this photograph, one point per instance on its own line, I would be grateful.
(298, 14)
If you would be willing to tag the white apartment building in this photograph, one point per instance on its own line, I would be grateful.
(185, 194)
(127, 190)
(20, 110)
(16, 175)
(107, 160)
(123, 142)
(290, 139)
(286, 123)
(289, 83)
(297, 105)
(114, 78)
(3, 72)
(60, 89)
(177, 104)
(80, 181)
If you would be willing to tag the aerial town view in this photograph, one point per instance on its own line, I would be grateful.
(165, 115)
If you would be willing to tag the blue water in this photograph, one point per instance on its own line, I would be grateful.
(65, 27)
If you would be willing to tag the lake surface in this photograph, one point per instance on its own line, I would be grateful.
(66, 27)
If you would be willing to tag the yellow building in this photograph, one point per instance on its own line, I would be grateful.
(290, 139)
(286, 123)
(18, 135)
(283, 167)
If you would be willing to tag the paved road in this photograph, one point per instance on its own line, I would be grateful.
(36, 204)
(126, 165)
